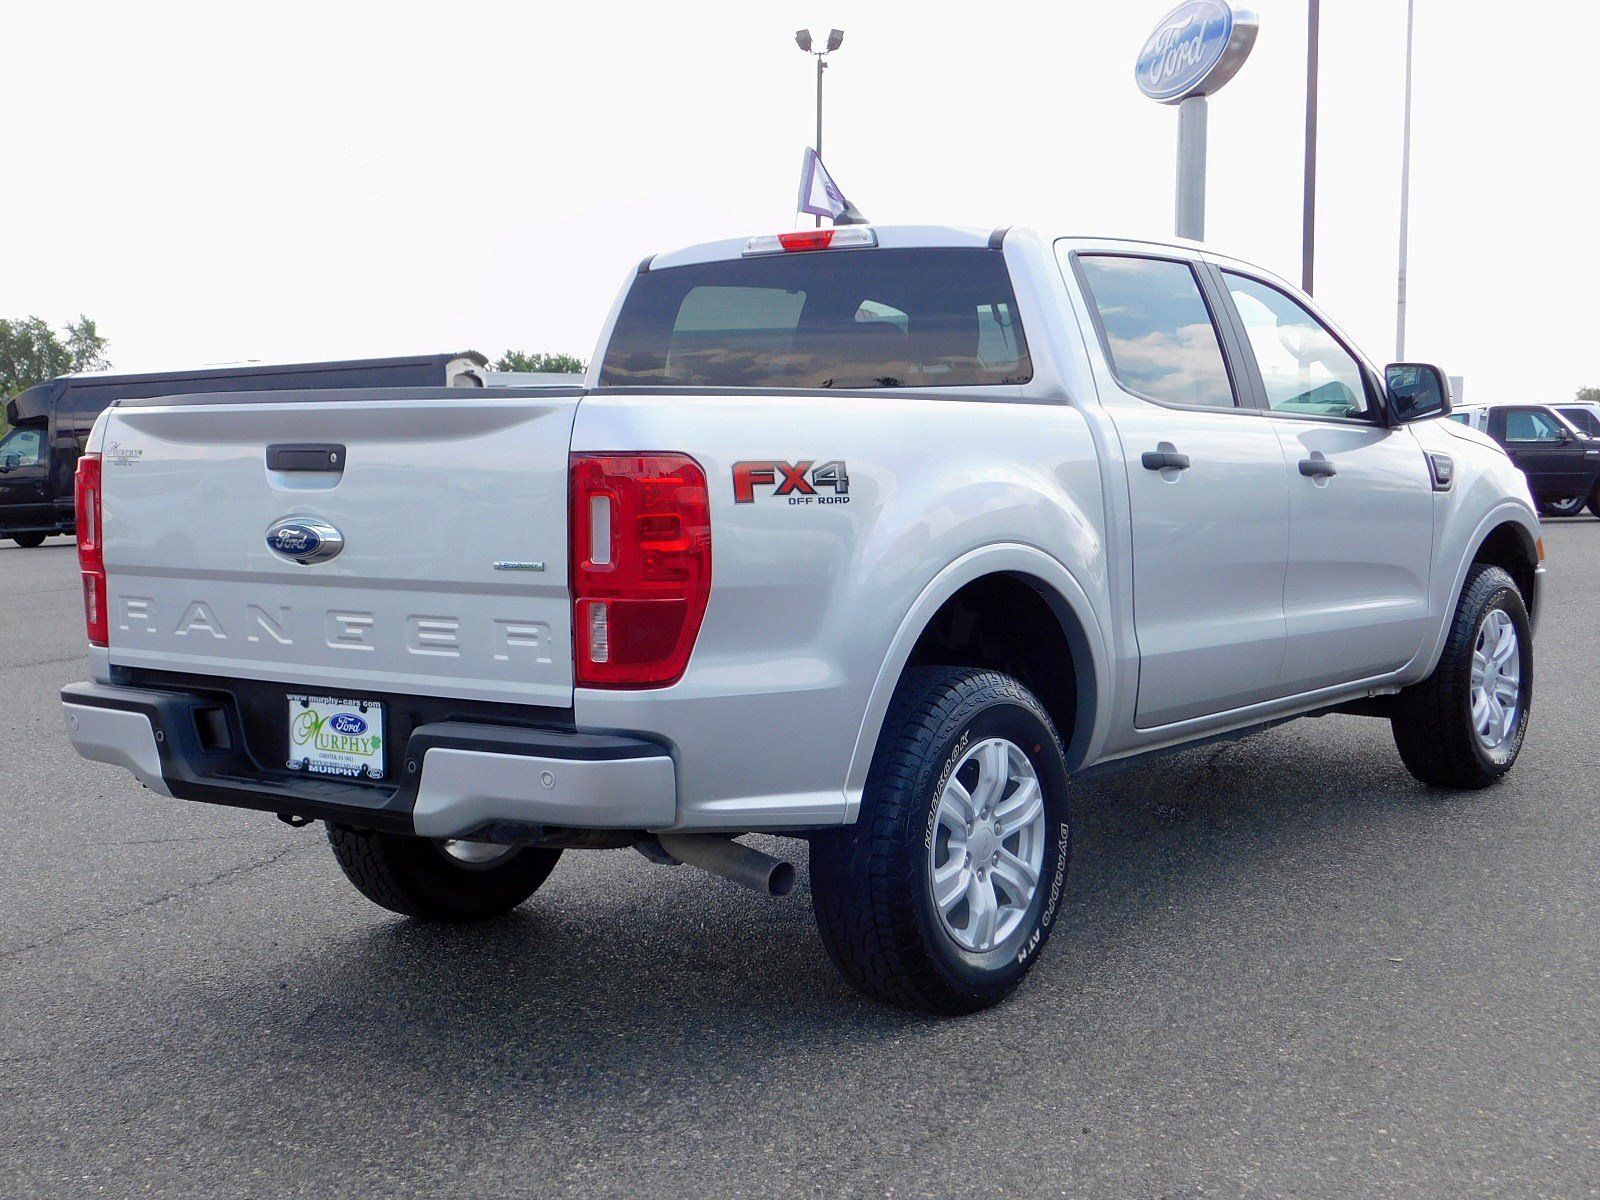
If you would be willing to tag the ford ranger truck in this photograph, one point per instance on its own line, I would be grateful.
(874, 537)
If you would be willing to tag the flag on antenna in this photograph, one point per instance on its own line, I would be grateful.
(820, 195)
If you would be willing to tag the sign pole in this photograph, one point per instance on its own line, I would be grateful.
(1195, 49)
(1191, 210)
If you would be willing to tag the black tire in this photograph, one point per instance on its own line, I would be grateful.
(1569, 507)
(28, 541)
(1432, 721)
(1594, 500)
(871, 882)
(417, 877)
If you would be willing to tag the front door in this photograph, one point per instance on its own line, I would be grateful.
(1206, 491)
(24, 494)
(1360, 499)
(1556, 464)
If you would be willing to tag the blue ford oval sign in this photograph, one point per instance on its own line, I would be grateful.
(304, 540)
(1196, 48)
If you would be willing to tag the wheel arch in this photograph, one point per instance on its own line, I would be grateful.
(1512, 547)
(1508, 537)
(1000, 575)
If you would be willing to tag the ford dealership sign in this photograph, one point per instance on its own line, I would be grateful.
(1195, 49)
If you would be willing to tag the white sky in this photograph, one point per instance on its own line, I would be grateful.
(218, 182)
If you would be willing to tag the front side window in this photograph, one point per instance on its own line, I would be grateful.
(1531, 425)
(875, 318)
(22, 448)
(1158, 331)
(1305, 369)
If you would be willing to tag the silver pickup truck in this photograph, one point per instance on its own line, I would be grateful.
(873, 537)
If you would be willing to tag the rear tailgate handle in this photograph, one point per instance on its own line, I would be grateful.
(306, 456)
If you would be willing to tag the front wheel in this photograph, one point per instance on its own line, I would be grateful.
(1570, 506)
(943, 893)
(28, 541)
(446, 880)
(1463, 726)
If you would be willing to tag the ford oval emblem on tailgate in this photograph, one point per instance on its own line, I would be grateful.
(304, 540)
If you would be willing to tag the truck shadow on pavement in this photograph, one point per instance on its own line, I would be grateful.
(614, 974)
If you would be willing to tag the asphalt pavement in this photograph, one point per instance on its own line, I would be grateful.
(1285, 969)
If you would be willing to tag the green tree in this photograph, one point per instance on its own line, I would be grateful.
(31, 352)
(87, 347)
(519, 360)
(1590, 395)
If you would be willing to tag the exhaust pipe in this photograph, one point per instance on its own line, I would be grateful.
(721, 855)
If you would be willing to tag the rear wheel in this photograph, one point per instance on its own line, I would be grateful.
(445, 880)
(943, 893)
(1571, 506)
(1462, 727)
(28, 540)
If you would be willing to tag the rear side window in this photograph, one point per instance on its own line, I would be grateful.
(1585, 420)
(823, 319)
(1158, 331)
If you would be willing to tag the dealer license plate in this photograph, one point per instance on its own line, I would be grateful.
(333, 736)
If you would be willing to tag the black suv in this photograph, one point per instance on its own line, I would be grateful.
(1562, 465)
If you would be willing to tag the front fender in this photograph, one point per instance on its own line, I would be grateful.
(1461, 548)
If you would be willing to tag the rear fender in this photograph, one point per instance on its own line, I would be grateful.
(1069, 601)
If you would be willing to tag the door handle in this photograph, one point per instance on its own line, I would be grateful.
(1317, 468)
(1162, 460)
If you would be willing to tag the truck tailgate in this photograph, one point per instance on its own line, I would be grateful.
(438, 486)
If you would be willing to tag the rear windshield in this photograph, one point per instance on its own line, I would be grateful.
(825, 319)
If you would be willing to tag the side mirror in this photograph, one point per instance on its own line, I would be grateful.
(10, 462)
(1416, 390)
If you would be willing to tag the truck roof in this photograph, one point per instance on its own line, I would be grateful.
(941, 236)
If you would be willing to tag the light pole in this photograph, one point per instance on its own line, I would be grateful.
(1405, 205)
(1308, 215)
(802, 38)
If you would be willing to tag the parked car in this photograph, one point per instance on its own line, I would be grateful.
(52, 420)
(1585, 418)
(874, 537)
(1562, 464)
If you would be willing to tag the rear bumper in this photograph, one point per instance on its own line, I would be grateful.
(457, 778)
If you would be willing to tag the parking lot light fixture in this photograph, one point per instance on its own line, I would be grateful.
(802, 38)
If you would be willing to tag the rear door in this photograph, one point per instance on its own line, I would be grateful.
(452, 511)
(1360, 495)
(1206, 490)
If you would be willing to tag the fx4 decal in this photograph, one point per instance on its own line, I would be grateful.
(801, 482)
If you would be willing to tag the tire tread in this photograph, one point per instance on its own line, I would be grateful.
(1434, 742)
(860, 875)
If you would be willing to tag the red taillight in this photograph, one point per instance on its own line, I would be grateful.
(641, 566)
(806, 239)
(91, 556)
